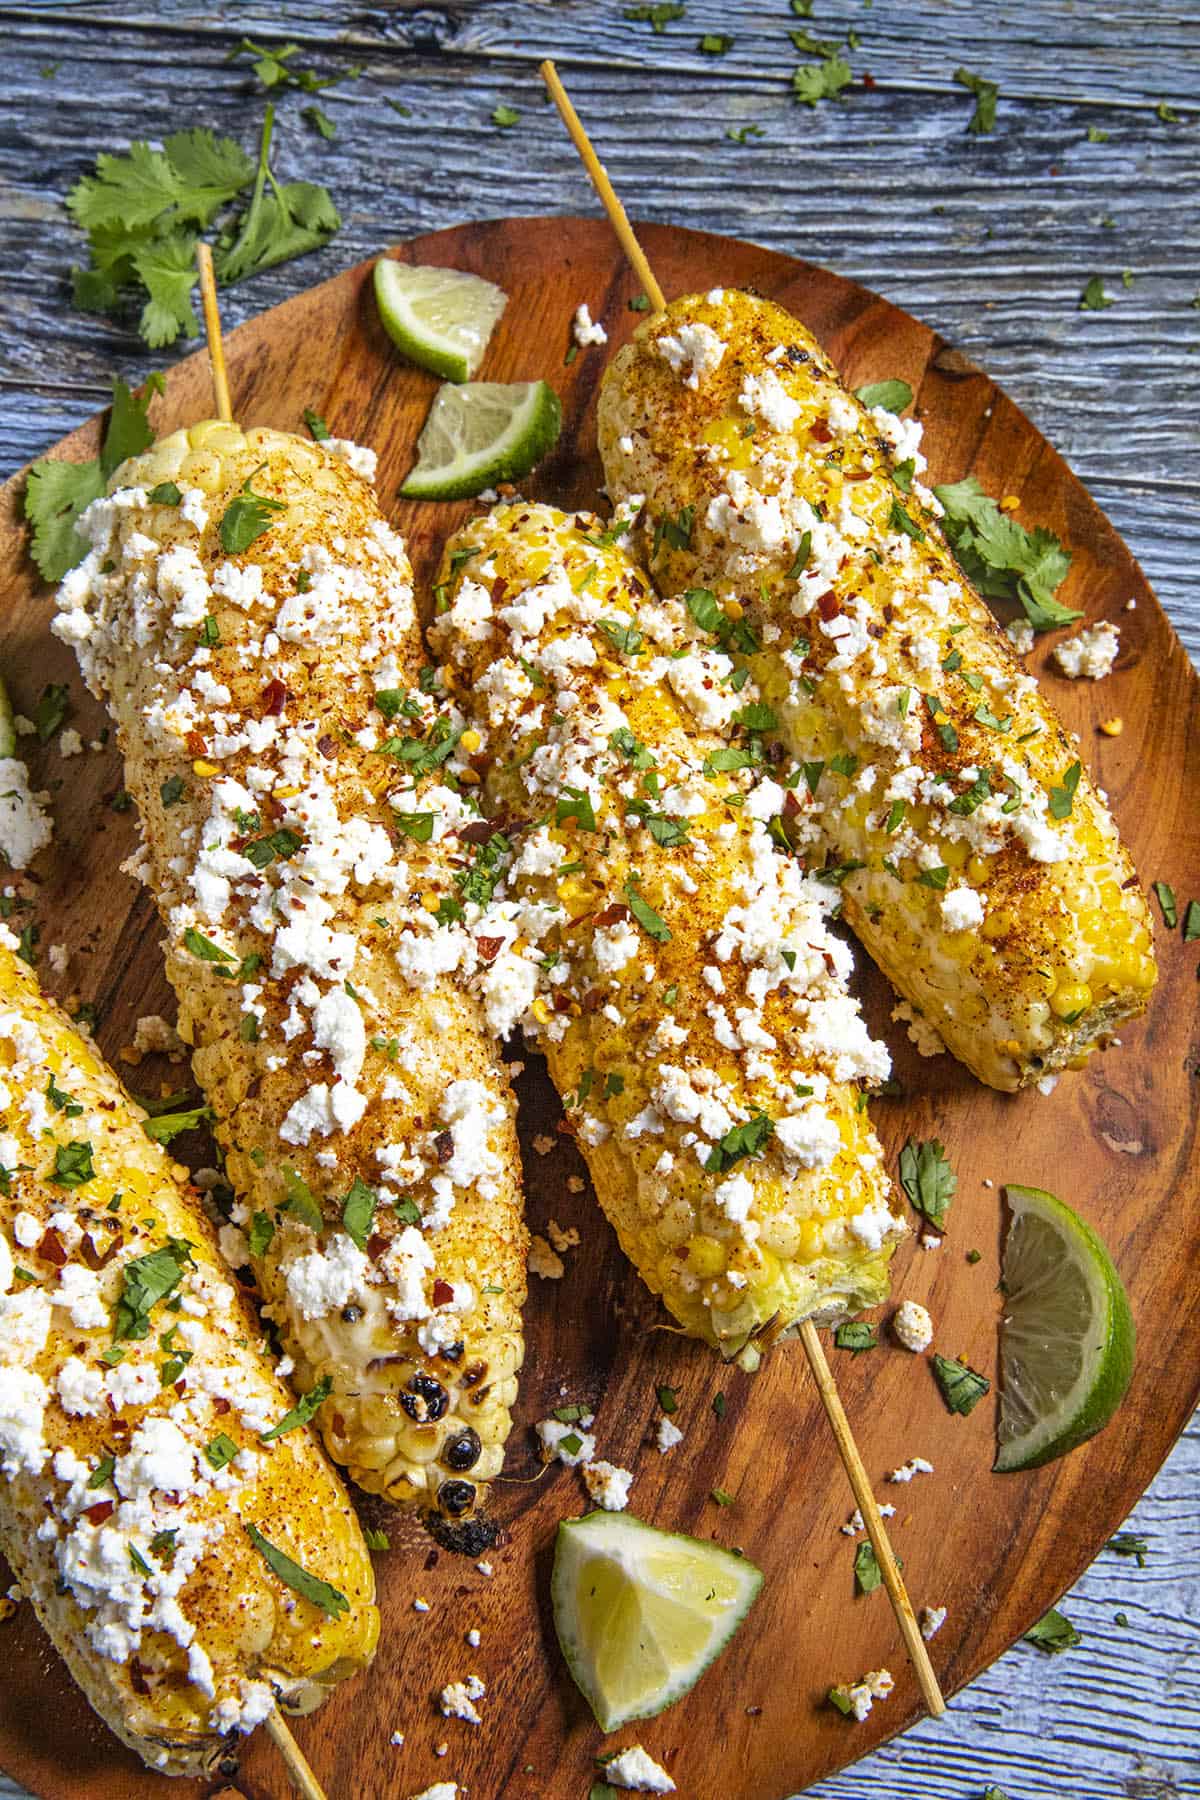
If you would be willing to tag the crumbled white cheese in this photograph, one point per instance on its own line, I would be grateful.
(457, 1700)
(1090, 653)
(608, 1485)
(668, 1435)
(913, 1326)
(916, 1465)
(633, 1768)
(25, 825)
(585, 330)
(932, 1620)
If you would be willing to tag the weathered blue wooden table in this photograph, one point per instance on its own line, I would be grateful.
(1093, 168)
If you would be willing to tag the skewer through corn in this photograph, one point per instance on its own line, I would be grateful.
(677, 970)
(983, 870)
(190, 1560)
(248, 615)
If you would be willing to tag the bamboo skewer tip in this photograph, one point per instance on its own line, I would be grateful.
(852, 1462)
(212, 328)
(303, 1779)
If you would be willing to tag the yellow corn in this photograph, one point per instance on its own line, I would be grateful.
(131, 1438)
(890, 679)
(365, 1117)
(676, 970)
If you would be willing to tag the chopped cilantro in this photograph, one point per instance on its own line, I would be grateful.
(1053, 1633)
(928, 1179)
(1165, 895)
(893, 396)
(748, 1139)
(1005, 561)
(650, 921)
(983, 119)
(247, 517)
(856, 1335)
(1062, 798)
(962, 1387)
(305, 1409)
(310, 1587)
(358, 1211)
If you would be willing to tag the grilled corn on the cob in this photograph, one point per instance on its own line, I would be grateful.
(984, 872)
(135, 1389)
(676, 969)
(248, 615)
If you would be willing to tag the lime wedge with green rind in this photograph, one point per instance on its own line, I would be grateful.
(481, 433)
(641, 1613)
(8, 730)
(440, 318)
(1067, 1339)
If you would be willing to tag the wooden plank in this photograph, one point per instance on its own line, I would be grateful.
(995, 1550)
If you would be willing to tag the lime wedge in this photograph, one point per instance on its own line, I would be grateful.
(8, 731)
(481, 433)
(1067, 1341)
(641, 1613)
(440, 318)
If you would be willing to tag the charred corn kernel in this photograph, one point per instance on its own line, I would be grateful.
(1112, 727)
(886, 674)
(680, 978)
(112, 1517)
(365, 1116)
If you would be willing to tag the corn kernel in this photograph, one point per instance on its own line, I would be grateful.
(955, 854)
(706, 1256)
(812, 1239)
(540, 1011)
(468, 777)
(1112, 727)
(978, 869)
(1071, 998)
(1010, 503)
(430, 901)
(470, 741)
(998, 924)
(734, 609)
(200, 767)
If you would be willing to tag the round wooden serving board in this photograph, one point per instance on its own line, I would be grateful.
(1117, 1140)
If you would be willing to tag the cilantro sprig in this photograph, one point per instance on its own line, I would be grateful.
(1005, 561)
(56, 493)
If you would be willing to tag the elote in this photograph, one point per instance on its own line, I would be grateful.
(183, 1541)
(982, 868)
(248, 615)
(677, 971)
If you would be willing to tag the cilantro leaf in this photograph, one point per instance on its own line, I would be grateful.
(657, 16)
(358, 1211)
(983, 119)
(1062, 798)
(928, 1180)
(742, 1140)
(169, 1125)
(962, 1387)
(147, 1280)
(650, 921)
(247, 517)
(305, 1409)
(310, 1587)
(892, 395)
(812, 82)
(56, 493)
(191, 177)
(1005, 561)
(1053, 1633)
(166, 268)
(1093, 297)
(856, 1335)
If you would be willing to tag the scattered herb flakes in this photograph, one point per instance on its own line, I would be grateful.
(658, 17)
(262, 1230)
(506, 117)
(640, 303)
(221, 1451)
(813, 82)
(145, 1281)
(867, 1573)
(165, 493)
(962, 1387)
(808, 45)
(650, 921)
(316, 425)
(1128, 1543)
(172, 790)
(837, 1696)
(928, 1179)
(375, 1539)
(247, 517)
(1165, 895)
(273, 67)
(320, 122)
(856, 1335)
(892, 395)
(301, 1202)
(899, 520)
(1053, 1633)
(1191, 922)
(667, 1399)
(305, 1409)
(204, 948)
(721, 1497)
(1093, 297)
(718, 1405)
(1096, 136)
(309, 1587)
(169, 1125)
(1166, 113)
(1002, 559)
(974, 1256)
(983, 119)
(72, 1164)
(715, 43)
(742, 134)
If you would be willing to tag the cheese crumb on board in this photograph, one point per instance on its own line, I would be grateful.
(1090, 654)
(634, 1768)
(913, 1326)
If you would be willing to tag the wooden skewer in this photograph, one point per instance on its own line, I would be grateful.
(212, 327)
(295, 1761)
(835, 1412)
(303, 1779)
(603, 186)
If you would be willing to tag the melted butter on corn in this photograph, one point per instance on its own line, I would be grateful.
(986, 873)
(677, 970)
(307, 831)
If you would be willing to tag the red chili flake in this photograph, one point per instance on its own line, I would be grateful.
(499, 589)
(327, 745)
(376, 1244)
(478, 832)
(868, 82)
(274, 698)
(593, 1000)
(339, 1425)
(791, 805)
(196, 744)
(857, 474)
(102, 1510)
(89, 1255)
(819, 429)
(51, 1248)
(489, 948)
(562, 1002)
(222, 1406)
(828, 605)
(443, 1143)
(612, 915)
(443, 1293)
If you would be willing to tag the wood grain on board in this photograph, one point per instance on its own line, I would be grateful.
(994, 1550)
